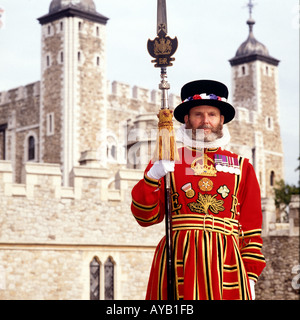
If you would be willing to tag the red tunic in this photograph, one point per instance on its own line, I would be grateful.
(216, 219)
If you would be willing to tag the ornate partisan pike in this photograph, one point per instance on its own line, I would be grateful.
(161, 49)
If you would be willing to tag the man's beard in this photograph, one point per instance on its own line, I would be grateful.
(215, 134)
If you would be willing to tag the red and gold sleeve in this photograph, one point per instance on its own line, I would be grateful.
(251, 224)
(147, 206)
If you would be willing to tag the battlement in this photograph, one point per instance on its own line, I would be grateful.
(114, 88)
(45, 181)
(20, 93)
(121, 89)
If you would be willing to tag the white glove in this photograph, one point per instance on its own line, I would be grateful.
(160, 169)
(252, 288)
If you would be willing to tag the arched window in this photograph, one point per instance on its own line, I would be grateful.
(109, 279)
(31, 148)
(95, 279)
(111, 149)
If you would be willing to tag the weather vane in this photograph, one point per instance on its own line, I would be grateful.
(250, 5)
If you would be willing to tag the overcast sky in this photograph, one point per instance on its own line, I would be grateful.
(209, 33)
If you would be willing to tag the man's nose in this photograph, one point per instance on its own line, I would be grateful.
(205, 119)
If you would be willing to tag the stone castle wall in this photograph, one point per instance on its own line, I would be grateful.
(280, 279)
(49, 234)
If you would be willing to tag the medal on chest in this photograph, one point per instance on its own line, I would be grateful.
(227, 164)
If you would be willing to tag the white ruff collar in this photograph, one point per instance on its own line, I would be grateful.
(182, 136)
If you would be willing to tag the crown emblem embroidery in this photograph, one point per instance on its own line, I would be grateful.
(201, 167)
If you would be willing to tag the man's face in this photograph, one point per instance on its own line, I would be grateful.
(207, 118)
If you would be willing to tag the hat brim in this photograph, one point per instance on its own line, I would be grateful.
(226, 109)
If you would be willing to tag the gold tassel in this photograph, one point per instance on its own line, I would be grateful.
(165, 148)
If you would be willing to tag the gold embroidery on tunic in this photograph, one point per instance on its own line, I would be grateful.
(207, 202)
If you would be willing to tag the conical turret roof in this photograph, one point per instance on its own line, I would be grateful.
(252, 49)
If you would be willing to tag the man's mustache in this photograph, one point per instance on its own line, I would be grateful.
(205, 126)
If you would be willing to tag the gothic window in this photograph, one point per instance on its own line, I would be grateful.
(272, 178)
(31, 148)
(109, 279)
(95, 279)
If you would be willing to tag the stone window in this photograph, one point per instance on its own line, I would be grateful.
(111, 149)
(79, 25)
(97, 31)
(3, 128)
(98, 61)
(61, 26)
(243, 70)
(268, 70)
(272, 178)
(48, 60)
(50, 123)
(102, 279)
(31, 148)
(95, 279)
(109, 279)
(269, 123)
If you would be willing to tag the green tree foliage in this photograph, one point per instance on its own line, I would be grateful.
(283, 193)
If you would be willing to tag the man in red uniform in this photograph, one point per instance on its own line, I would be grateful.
(216, 205)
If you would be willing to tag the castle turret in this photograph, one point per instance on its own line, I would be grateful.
(73, 83)
(256, 130)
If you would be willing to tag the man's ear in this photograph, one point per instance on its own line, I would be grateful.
(222, 119)
(186, 118)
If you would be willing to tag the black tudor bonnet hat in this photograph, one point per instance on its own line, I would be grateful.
(204, 92)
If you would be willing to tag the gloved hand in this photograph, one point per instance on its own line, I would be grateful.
(252, 288)
(160, 169)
